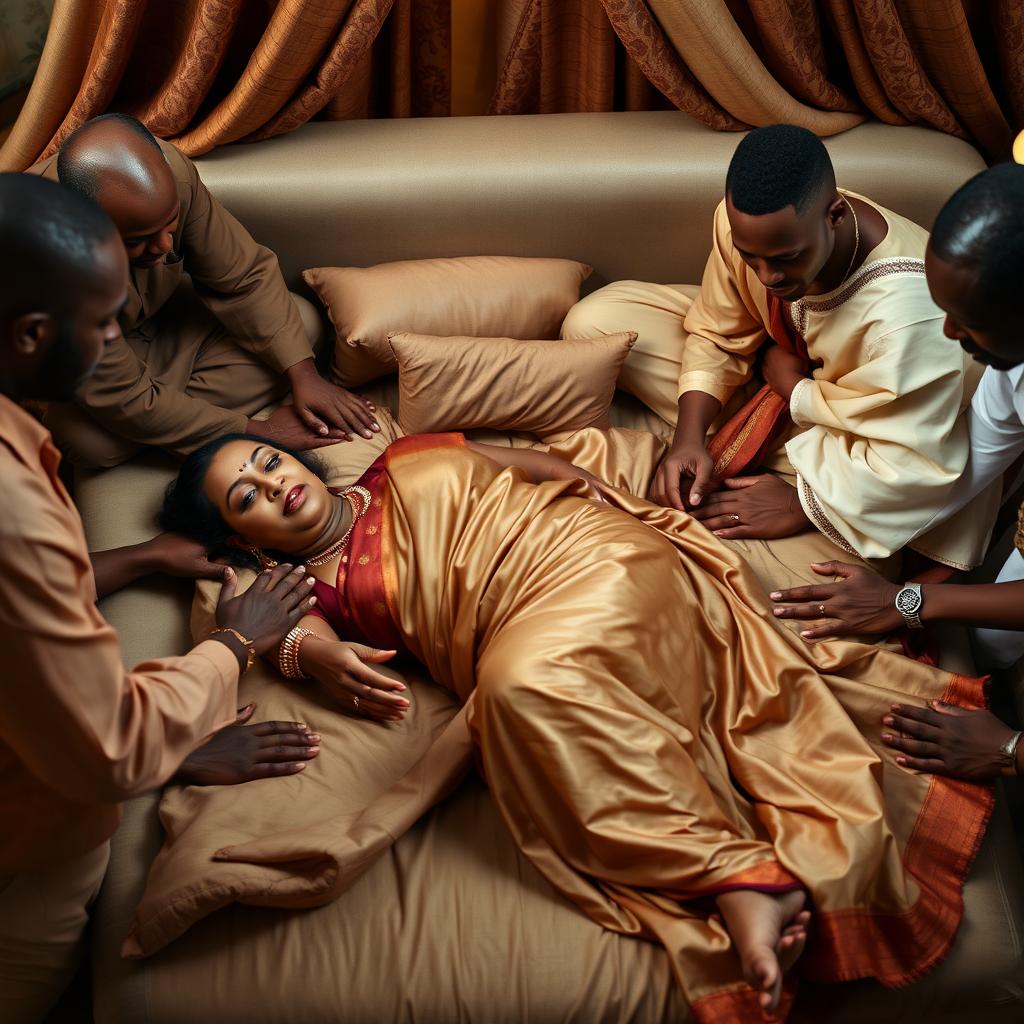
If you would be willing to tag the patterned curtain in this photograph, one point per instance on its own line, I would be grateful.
(953, 65)
(207, 72)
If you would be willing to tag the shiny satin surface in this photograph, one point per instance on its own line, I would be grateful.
(652, 735)
(632, 194)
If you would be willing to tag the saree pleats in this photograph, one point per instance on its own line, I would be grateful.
(653, 736)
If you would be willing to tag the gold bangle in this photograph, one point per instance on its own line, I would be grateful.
(250, 653)
(288, 652)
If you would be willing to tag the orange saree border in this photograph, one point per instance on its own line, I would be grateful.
(898, 949)
(768, 876)
(744, 439)
(739, 1006)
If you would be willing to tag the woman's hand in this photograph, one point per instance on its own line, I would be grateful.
(562, 470)
(344, 671)
(863, 603)
(269, 608)
(944, 739)
(759, 507)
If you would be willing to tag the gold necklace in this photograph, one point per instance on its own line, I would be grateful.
(856, 241)
(349, 493)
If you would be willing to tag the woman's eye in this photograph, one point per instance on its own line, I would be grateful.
(273, 462)
(248, 499)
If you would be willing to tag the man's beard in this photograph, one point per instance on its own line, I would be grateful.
(63, 370)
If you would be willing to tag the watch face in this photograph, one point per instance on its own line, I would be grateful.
(908, 601)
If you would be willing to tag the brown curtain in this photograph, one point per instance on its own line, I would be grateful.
(953, 65)
(207, 72)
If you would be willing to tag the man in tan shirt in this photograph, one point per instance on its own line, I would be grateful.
(195, 361)
(78, 733)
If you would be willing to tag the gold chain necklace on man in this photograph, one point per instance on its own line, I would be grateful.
(856, 241)
(358, 511)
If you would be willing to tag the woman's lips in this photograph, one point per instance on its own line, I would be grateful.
(294, 498)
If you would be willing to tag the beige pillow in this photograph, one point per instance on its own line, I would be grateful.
(479, 296)
(542, 387)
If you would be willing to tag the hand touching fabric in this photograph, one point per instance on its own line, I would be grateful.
(243, 753)
(321, 405)
(344, 670)
(759, 507)
(944, 739)
(686, 463)
(864, 603)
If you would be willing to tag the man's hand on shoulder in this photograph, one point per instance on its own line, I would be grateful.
(322, 405)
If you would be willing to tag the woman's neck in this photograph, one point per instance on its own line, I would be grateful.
(338, 521)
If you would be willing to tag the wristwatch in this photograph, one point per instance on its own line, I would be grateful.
(1009, 752)
(908, 604)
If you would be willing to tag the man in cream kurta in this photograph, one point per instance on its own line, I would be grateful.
(878, 437)
(211, 333)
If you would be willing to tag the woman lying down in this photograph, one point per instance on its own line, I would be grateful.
(665, 753)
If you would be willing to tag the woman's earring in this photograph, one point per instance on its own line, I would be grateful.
(266, 562)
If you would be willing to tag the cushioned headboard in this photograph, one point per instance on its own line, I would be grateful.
(631, 193)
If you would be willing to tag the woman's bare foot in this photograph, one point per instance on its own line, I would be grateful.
(770, 932)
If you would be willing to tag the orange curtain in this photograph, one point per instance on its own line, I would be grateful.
(207, 72)
(953, 65)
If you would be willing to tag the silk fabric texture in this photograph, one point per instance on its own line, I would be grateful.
(653, 737)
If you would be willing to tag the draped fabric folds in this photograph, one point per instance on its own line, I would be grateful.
(953, 65)
(202, 73)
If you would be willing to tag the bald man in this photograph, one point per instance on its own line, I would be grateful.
(195, 362)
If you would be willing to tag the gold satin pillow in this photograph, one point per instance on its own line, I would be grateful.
(541, 387)
(479, 296)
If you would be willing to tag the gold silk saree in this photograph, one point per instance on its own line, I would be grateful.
(650, 733)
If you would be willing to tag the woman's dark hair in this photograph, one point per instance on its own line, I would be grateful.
(187, 509)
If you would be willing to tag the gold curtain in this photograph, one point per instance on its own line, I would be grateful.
(207, 72)
(953, 65)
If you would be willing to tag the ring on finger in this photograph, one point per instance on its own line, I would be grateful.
(355, 702)
(735, 518)
(821, 609)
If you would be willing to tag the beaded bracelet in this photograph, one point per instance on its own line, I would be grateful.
(288, 653)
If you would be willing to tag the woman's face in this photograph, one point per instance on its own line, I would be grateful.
(268, 498)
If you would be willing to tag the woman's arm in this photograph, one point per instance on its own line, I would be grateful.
(344, 670)
(538, 466)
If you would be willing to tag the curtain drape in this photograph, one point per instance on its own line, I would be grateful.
(206, 72)
(953, 65)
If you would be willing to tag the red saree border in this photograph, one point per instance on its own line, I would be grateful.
(362, 605)
(743, 441)
(898, 949)
(768, 876)
(739, 1006)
